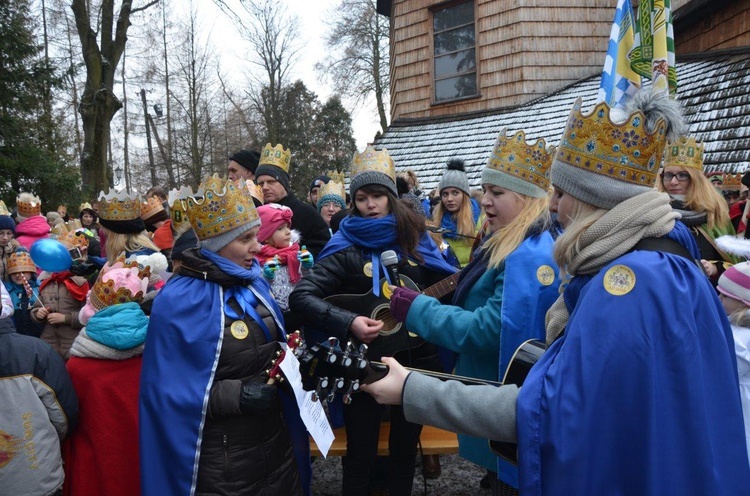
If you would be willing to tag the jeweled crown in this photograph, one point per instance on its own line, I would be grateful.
(177, 201)
(685, 152)
(731, 182)
(103, 293)
(216, 210)
(276, 156)
(333, 187)
(151, 207)
(28, 208)
(373, 160)
(529, 162)
(119, 206)
(20, 261)
(249, 187)
(626, 152)
(67, 234)
(3, 208)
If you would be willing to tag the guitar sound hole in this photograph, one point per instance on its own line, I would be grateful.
(391, 326)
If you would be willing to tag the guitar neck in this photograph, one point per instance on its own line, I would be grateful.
(469, 381)
(444, 287)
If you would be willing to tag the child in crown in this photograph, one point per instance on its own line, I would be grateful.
(23, 289)
(284, 263)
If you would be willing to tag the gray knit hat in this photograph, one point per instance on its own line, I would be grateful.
(373, 167)
(605, 158)
(455, 177)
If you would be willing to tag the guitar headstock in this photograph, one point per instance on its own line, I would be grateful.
(294, 341)
(327, 369)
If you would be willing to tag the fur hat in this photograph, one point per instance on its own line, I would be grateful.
(247, 159)
(455, 177)
(735, 282)
(272, 216)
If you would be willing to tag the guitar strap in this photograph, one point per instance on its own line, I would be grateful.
(666, 245)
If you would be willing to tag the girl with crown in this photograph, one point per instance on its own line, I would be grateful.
(211, 422)
(350, 263)
(23, 288)
(637, 392)
(32, 225)
(101, 455)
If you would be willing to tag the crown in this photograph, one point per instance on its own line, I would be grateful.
(3, 209)
(85, 206)
(103, 294)
(151, 207)
(177, 201)
(530, 162)
(67, 234)
(626, 152)
(732, 182)
(119, 206)
(219, 210)
(276, 156)
(373, 160)
(28, 209)
(685, 152)
(249, 187)
(20, 261)
(333, 187)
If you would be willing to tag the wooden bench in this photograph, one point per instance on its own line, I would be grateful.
(434, 441)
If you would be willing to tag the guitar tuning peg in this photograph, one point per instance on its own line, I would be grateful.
(345, 360)
(347, 399)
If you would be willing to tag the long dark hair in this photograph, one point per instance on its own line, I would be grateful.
(409, 225)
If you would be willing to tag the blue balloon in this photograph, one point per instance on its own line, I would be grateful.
(50, 255)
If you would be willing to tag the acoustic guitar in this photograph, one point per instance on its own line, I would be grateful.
(392, 339)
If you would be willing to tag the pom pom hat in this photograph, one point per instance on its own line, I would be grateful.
(455, 177)
(519, 166)
(373, 167)
(735, 282)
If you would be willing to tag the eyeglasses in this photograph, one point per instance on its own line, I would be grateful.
(681, 176)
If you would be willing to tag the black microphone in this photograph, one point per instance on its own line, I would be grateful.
(389, 259)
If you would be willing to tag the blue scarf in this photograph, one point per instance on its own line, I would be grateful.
(121, 327)
(376, 236)
(448, 222)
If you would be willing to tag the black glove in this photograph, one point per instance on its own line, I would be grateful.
(257, 398)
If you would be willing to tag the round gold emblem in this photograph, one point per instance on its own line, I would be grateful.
(545, 274)
(368, 269)
(386, 290)
(239, 329)
(619, 280)
(412, 262)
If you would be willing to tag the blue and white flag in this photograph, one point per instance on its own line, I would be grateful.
(619, 81)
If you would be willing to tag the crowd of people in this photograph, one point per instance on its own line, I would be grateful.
(142, 366)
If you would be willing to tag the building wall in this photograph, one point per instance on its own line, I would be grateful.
(724, 29)
(525, 49)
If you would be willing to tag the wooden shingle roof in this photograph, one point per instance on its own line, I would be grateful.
(714, 88)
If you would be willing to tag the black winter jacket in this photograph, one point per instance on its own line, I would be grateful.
(241, 454)
(309, 223)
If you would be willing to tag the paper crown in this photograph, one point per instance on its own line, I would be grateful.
(3, 209)
(375, 161)
(249, 187)
(109, 290)
(219, 207)
(151, 207)
(119, 206)
(85, 206)
(20, 261)
(67, 234)
(685, 152)
(626, 152)
(177, 201)
(530, 162)
(731, 182)
(276, 156)
(29, 208)
(334, 187)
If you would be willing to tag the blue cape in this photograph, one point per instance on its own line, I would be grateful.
(640, 393)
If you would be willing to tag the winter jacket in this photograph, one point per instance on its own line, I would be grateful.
(57, 299)
(309, 223)
(32, 229)
(38, 407)
(741, 330)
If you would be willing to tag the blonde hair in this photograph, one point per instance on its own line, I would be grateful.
(505, 240)
(582, 216)
(118, 243)
(409, 175)
(465, 224)
(701, 196)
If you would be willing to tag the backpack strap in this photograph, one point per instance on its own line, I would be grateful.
(666, 245)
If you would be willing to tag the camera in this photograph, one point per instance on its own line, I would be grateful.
(75, 253)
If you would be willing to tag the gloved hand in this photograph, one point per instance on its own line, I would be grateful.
(270, 268)
(257, 398)
(401, 301)
(305, 257)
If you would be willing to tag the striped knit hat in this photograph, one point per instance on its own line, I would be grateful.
(735, 282)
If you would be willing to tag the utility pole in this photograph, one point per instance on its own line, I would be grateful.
(148, 138)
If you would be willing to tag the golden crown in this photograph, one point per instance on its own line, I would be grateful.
(3, 208)
(373, 160)
(530, 162)
(20, 261)
(685, 152)
(626, 152)
(218, 210)
(67, 234)
(276, 156)
(103, 293)
(249, 187)
(335, 186)
(119, 206)
(29, 208)
(85, 205)
(731, 182)
(177, 201)
(151, 207)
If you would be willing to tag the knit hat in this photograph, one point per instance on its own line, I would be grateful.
(120, 282)
(373, 167)
(332, 191)
(603, 160)
(20, 261)
(274, 162)
(735, 282)
(247, 159)
(6, 221)
(519, 166)
(455, 177)
(220, 213)
(121, 212)
(319, 181)
(272, 216)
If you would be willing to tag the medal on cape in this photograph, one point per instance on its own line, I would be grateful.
(239, 329)
(545, 275)
(367, 269)
(619, 280)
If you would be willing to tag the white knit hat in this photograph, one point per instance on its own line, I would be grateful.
(735, 282)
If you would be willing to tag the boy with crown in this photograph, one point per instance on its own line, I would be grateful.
(272, 175)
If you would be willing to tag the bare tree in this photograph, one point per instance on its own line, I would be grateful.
(99, 103)
(358, 65)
